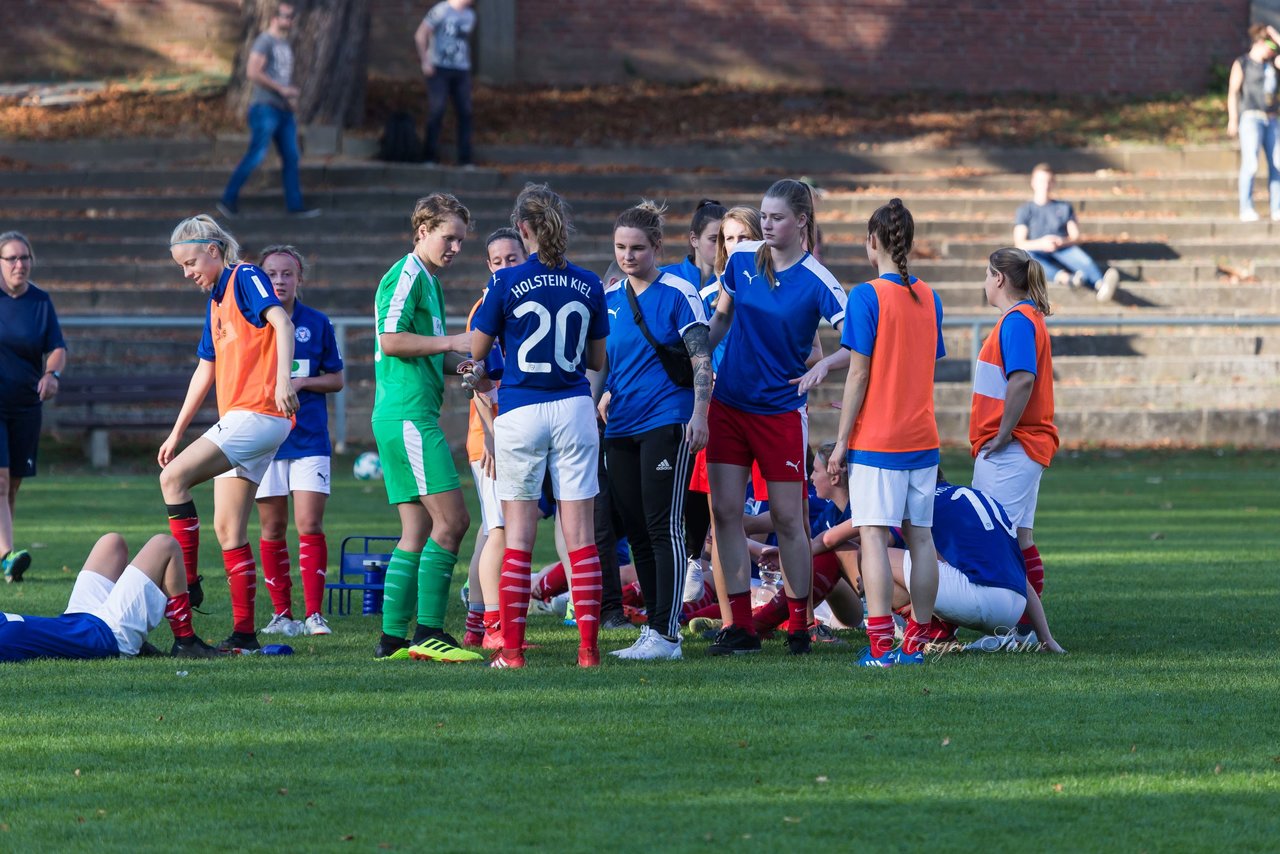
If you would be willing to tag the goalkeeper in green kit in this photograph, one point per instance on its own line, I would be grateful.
(417, 468)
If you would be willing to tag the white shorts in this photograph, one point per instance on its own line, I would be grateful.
(987, 609)
(490, 503)
(131, 607)
(885, 497)
(249, 440)
(307, 474)
(1013, 479)
(559, 437)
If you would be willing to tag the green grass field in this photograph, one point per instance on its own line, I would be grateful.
(1158, 732)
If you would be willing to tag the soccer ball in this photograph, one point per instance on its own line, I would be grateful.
(368, 467)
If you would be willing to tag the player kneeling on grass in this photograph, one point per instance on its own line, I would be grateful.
(417, 467)
(982, 581)
(114, 604)
(301, 464)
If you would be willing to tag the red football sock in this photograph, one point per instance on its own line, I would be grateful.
(275, 572)
(492, 619)
(475, 620)
(585, 563)
(940, 629)
(711, 609)
(880, 633)
(513, 598)
(313, 566)
(740, 611)
(770, 615)
(552, 583)
(1035, 569)
(186, 530)
(913, 639)
(826, 575)
(242, 575)
(632, 596)
(798, 611)
(689, 610)
(178, 612)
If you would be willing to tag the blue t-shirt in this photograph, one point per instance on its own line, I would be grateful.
(689, 271)
(972, 532)
(67, 636)
(859, 335)
(544, 319)
(254, 295)
(28, 330)
(829, 515)
(772, 331)
(315, 352)
(1018, 341)
(1050, 218)
(642, 396)
(708, 295)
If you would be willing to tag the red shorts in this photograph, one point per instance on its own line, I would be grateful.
(778, 443)
(698, 481)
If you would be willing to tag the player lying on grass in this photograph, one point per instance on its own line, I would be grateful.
(982, 577)
(114, 604)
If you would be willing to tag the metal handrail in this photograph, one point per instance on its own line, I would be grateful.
(976, 324)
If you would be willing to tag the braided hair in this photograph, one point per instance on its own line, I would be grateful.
(894, 229)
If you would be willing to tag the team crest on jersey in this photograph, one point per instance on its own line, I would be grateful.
(302, 334)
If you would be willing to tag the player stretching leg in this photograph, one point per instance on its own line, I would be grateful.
(550, 317)
(247, 347)
(417, 467)
(301, 465)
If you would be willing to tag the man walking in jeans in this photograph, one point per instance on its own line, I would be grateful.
(271, 105)
(441, 39)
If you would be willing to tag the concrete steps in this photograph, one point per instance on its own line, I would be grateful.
(100, 233)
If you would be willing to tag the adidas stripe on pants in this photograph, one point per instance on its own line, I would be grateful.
(648, 481)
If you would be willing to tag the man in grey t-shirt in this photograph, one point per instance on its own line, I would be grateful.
(1046, 229)
(445, 54)
(271, 104)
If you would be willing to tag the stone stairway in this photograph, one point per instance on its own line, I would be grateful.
(100, 229)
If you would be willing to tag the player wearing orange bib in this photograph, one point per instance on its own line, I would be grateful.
(892, 336)
(247, 348)
(1011, 431)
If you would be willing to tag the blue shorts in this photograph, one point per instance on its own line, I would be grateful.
(19, 442)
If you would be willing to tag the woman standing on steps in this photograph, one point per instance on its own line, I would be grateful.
(656, 418)
(247, 348)
(1011, 431)
(32, 358)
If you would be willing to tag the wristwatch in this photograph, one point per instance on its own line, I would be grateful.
(57, 375)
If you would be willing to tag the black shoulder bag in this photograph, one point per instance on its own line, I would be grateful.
(674, 360)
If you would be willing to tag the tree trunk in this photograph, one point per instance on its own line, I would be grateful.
(330, 41)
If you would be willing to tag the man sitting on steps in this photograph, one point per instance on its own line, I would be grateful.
(1046, 228)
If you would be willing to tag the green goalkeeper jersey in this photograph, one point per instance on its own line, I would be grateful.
(409, 299)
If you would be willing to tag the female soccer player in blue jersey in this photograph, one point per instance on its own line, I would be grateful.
(656, 418)
(773, 295)
(551, 319)
(301, 465)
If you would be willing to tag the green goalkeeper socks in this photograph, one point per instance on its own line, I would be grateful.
(401, 592)
(435, 574)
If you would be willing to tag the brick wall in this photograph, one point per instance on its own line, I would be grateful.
(1132, 46)
(1137, 46)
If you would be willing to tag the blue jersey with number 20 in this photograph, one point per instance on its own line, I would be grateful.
(543, 318)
